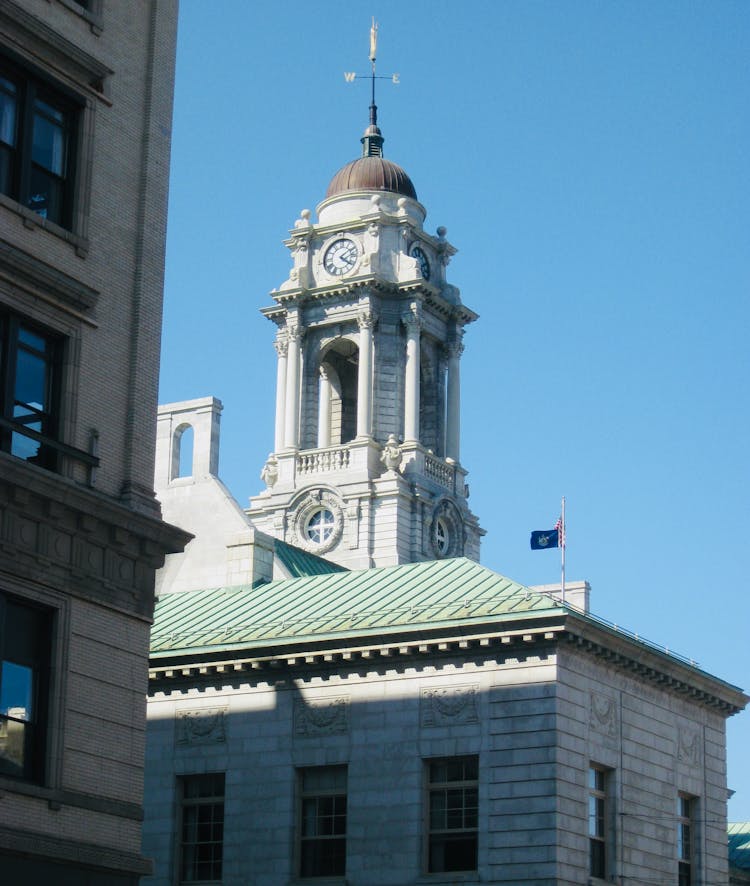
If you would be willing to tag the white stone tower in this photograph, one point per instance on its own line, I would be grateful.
(366, 464)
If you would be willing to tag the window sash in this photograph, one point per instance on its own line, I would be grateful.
(685, 839)
(201, 827)
(25, 642)
(322, 821)
(452, 811)
(597, 822)
(29, 390)
(37, 144)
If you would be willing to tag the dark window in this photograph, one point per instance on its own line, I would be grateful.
(685, 840)
(29, 390)
(37, 144)
(597, 822)
(322, 821)
(202, 827)
(453, 807)
(25, 641)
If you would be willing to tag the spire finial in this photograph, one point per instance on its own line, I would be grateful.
(372, 140)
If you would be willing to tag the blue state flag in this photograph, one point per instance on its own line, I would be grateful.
(541, 539)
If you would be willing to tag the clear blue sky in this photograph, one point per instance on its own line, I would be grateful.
(591, 162)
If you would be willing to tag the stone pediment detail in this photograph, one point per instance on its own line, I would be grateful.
(603, 714)
(448, 705)
(322, 716)
(203, 726)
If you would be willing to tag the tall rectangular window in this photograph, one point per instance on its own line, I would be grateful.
(37, 144)
(29, 390)
(322, 821)
(685, 814)
(453, 810)
(598, 854)
(202, 828)
(25, 643)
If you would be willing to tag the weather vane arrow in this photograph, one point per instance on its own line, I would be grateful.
(351, 76)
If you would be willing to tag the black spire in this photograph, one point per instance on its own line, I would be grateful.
(372, 140)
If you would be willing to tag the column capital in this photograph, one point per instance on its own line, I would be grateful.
(281, 344)
(294, 331)
(323, 370)
(453, 349)
(366, 318)
(412, 319)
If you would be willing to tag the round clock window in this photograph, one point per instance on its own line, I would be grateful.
(340, 257)
(424, 263)
(320, 526)
(442, 536)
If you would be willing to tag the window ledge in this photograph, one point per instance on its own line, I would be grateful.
(448, 878)
(92, 16)
(318, 881)
(34, 220)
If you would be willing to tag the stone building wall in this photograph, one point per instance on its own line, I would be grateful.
(537, 721)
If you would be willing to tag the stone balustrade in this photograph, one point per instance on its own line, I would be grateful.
(322, 461)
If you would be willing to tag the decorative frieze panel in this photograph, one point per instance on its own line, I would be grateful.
(322, 716)
(689, 746)
(603, 715)
(204, 726)
(448, 705)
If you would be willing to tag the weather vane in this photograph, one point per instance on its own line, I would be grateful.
(351, 76)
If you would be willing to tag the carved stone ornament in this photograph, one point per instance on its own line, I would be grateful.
(205, 726)
(328, 716)
(281, 344)
(317, 521)
(391, 456)
(270, 473)
(689, 746)
(294, 331)
(366, 318)
(603, 714)
(453, 349)
(412, 319)
(448, 705)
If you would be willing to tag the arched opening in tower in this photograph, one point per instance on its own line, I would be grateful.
(431, 407)
(337, 402)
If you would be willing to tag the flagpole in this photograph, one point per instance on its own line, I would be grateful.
(562, 549)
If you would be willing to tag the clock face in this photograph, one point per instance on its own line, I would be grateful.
(424, 265)
(340, 257)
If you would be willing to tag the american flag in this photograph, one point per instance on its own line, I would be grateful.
(561, 530)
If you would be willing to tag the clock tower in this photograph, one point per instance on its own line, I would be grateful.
(366, 467)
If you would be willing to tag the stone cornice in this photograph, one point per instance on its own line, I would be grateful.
(37, 40)
(66, 535)
(525, 636)
(652, 664)
(43, 281)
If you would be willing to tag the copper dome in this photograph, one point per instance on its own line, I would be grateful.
(371, 174)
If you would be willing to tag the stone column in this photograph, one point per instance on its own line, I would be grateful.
(411, 321)
(366, 320)
(454, 349)
(324, 409)
(281, 346)
(291, 410)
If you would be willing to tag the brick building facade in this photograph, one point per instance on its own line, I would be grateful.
(85, 117)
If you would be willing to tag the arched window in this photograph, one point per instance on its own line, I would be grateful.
(341, 365)
(182, 452)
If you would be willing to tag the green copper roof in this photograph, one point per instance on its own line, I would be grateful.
(739, 845)
(370, 602)
(299, 563)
